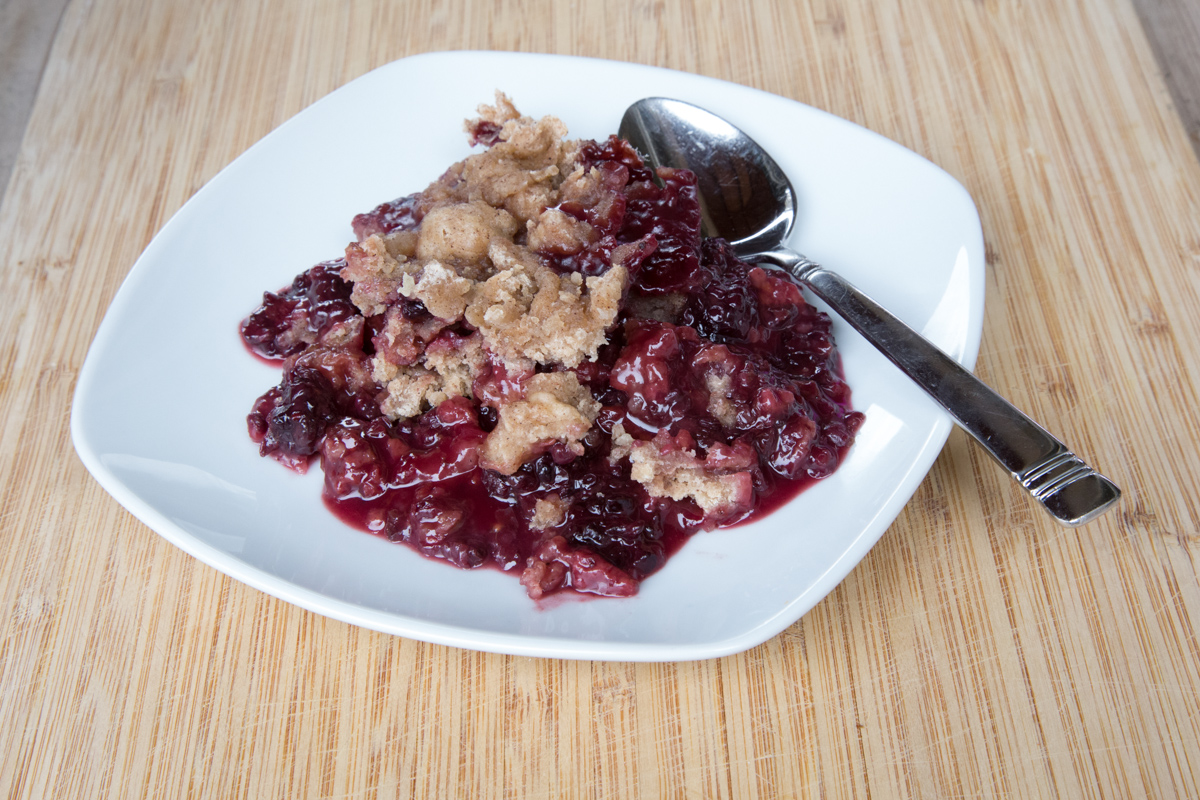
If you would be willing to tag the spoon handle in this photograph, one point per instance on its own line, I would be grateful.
(1059, 480)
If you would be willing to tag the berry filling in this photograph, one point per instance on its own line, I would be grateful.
(538, 364)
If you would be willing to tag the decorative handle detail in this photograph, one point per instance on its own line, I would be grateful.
(1054, 474)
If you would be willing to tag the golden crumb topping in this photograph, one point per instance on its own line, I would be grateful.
(549, 512)
(477, 259)
(556, 408)
(667, 471)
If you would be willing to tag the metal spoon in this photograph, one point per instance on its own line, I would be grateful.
(746, 199)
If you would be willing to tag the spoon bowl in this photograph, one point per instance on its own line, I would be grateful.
(747, 199)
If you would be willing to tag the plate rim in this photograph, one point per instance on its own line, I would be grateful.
(457, 635)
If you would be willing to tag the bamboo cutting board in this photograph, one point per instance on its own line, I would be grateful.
(978, 651)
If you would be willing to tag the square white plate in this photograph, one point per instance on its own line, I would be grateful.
(160, 408)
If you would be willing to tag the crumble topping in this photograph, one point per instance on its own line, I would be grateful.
(529, 312)
(475, 257)
(548, 512)
(555, 232)
(668, 467)
(556, 408)
(443, 291)
(622, 444)
(521, 172)
(462, 232)
(719, 404)
(497, 115)
(410, 390)
(375, 272)
(449, 372)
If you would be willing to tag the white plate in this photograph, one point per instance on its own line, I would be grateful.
(160, 408)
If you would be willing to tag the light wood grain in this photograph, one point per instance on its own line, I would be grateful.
(978, 651)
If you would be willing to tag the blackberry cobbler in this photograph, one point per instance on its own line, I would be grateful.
(537, 363)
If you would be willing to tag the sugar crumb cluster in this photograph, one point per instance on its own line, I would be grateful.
(474, 257)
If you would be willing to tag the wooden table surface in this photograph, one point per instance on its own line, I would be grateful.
(978, 651)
